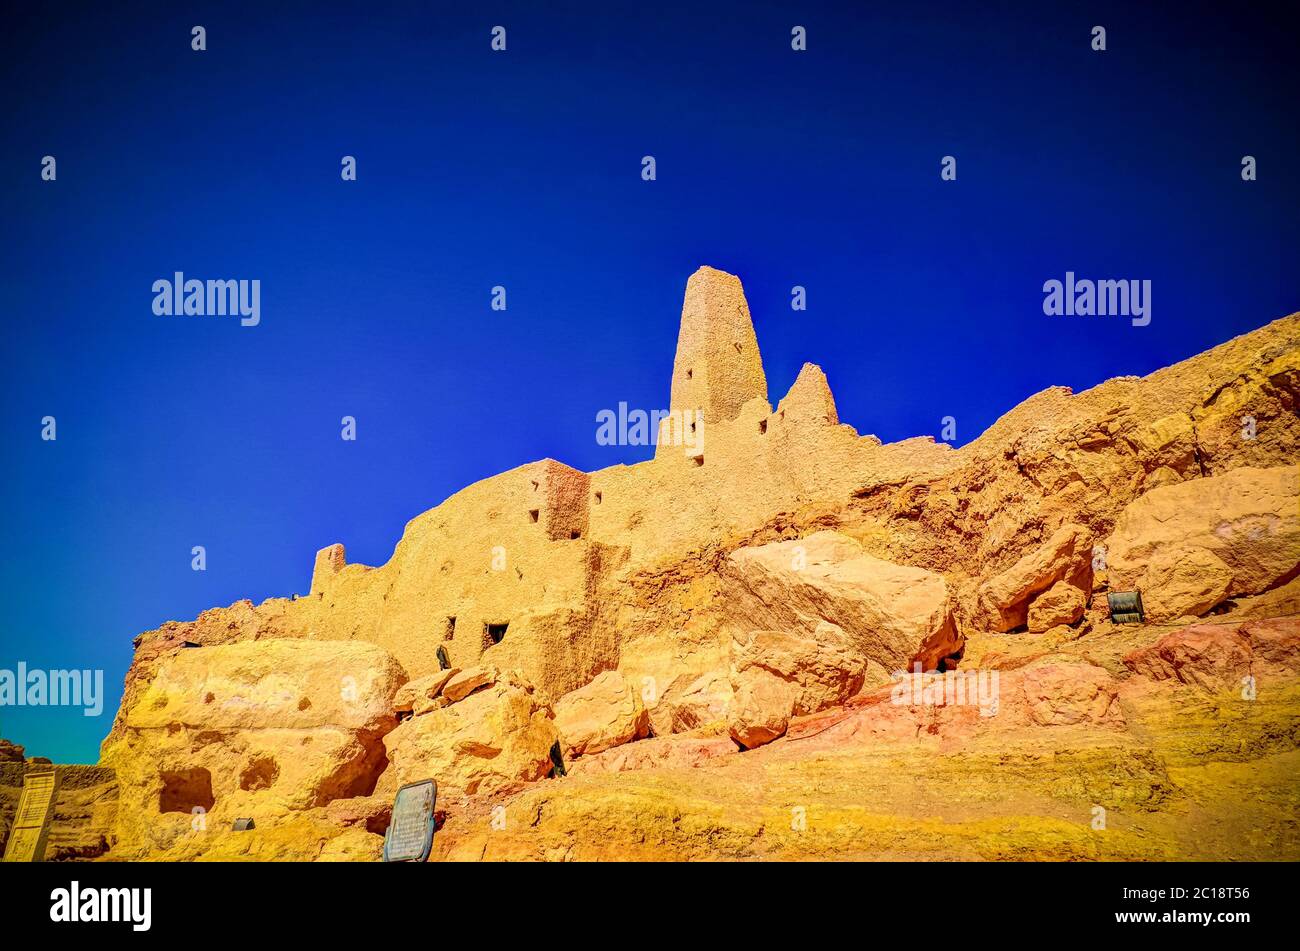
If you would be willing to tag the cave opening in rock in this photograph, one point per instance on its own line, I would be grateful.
(185, 789)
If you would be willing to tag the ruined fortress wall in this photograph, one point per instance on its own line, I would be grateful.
(576, 565)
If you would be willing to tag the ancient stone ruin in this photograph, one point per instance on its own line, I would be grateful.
(793, 642)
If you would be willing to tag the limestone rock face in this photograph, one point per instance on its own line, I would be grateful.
(1062, 603)
(776, 676)
(251, 729)
(1065, 556)
(1190, 546)
(607, 712)
(495, 739)
(893, 615)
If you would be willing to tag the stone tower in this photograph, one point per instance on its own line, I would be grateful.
(718, 368)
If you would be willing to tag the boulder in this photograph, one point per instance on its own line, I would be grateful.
(1189, 547)
(1066, 694)
(607, 712)
(762, 707)
(682, 681)
(893, 615)
(1062, 603)
(776, 676)
(1066, 556)
(495, 739)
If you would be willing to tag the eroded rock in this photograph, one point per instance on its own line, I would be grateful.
(251, 729)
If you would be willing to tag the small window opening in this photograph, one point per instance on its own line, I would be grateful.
(688, 374)
(575, 535)
(493, 633)
(762, 427)
(449, 631)
(533, 514)
(598, 498)
(699, 460)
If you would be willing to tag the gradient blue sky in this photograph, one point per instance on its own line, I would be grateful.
(523, 169)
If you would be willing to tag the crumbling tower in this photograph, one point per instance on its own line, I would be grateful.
(718, 368)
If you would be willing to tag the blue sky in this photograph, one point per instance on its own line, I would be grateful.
(522, 169)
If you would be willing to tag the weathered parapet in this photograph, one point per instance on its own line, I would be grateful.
(329, 562)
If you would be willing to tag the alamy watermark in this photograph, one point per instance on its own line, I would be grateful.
(933, 688)
(1085, 298)
(637, 427)
(193, 298)
(53, 688)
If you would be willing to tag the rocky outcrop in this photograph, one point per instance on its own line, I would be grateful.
(607, 712)
(761, 588)
(1191, 546)
(1066, 557)
(253, 729)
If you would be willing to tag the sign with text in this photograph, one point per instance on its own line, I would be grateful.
(410, 833)
(31, 827)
